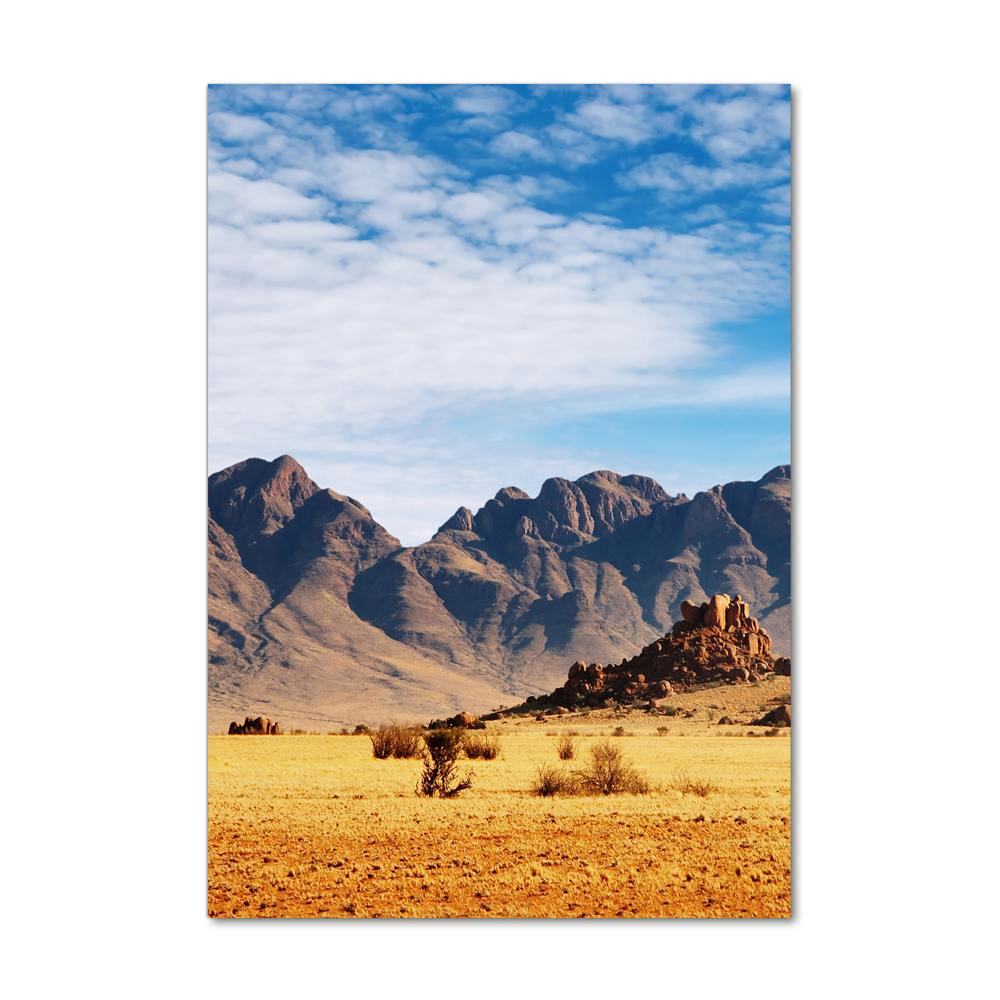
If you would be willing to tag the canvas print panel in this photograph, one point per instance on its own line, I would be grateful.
(432, 692)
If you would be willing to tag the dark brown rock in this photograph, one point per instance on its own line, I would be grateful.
(691, 613)
(260, 726)
(780, 716)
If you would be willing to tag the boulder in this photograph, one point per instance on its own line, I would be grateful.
(463, 719)
(691, 613)
(715, 616)
(780, 716)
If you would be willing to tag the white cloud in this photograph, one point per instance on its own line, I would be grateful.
(485, 100)
(239, 201)
(490, 299)
(631, 122)
(515, 144)
(675, 175)
(237, 128)
(482, 123)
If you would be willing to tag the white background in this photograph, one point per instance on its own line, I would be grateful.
(894, 454)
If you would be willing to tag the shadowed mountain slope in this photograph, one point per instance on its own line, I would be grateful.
(319, 617)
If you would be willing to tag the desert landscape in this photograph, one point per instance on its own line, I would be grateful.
(316, 826)
(654, 784)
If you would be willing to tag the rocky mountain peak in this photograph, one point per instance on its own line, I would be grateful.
(304, 584)
(510, 493)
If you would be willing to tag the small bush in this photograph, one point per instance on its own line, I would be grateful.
(566, 747)
(486, 747)
(619, 731)
(609, 771)
(662, 730)
(440, 753)
(394, 740)
(670, 710)
(409, 740)
(361, 730)
(383, 742)
(682, 782)
(553, 780)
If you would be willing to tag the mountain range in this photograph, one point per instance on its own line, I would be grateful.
(321, 618)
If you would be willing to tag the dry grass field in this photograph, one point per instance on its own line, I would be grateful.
(314, 826)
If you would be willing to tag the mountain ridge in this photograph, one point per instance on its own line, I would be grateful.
(317, 612)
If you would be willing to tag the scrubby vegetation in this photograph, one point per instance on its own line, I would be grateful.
(682, 782)
(554, 780)
(440, 755)
(482, 746)
(566, 747)
(394, 740)
(609, 771)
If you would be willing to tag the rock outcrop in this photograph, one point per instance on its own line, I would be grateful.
(780, 716)
(717, 640)
(261, 726)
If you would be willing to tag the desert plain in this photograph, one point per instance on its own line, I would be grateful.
(315, 826)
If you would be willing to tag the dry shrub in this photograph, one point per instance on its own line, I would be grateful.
(553, 780)
(383, 742)
(409, 740)
(440, 753)
(566, 747)
(682, 782)
(482, 746)
(609, 771)
(394, 740)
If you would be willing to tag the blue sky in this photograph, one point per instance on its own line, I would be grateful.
(427, 293)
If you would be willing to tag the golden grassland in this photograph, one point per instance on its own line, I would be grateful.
(314, 826)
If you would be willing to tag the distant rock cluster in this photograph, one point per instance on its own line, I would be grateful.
(261, 726)
(716, 641)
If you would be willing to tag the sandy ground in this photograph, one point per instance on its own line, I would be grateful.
(314, 826)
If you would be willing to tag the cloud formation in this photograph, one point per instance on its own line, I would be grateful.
(386, 263)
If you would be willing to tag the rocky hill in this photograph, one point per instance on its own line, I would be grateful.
(717, 641)
(319, 617)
